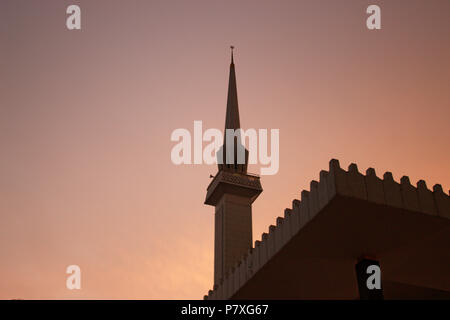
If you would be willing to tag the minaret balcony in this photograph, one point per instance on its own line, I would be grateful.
(240, 184)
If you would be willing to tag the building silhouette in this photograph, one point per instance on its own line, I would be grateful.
(322, 246)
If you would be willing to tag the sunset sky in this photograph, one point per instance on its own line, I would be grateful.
(86, 117)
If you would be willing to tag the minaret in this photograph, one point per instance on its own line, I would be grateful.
(232, 192)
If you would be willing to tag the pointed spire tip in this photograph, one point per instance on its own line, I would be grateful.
(232, 58)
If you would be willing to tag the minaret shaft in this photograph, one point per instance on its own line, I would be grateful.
(233, 233)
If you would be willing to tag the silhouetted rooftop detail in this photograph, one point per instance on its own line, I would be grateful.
(344, 215)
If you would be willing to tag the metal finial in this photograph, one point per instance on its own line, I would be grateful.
(232, 49)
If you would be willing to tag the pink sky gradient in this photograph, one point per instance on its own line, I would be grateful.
(86, 116)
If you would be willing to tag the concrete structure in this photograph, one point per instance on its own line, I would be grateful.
(311, 252)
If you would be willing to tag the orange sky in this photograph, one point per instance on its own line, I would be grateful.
(86, 117)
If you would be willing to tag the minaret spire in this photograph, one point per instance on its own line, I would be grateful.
(232, 122)
(232, 115)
